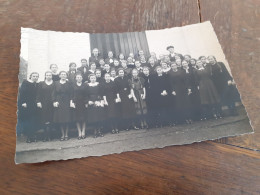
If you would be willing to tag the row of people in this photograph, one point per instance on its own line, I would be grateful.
(139, 96)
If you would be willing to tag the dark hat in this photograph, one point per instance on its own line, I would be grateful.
(169, 47)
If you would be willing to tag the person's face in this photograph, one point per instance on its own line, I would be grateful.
(159, 70)
(131, 55)
(146, 71)
(93, 66)
(151, 61)
(177, 57)
(48, 76)
(137, 64)
(35, 77)
(141, 52)
(178, 62)
(113, 73)
(121, 73)
(129, 59)
(164, 65)
(121, 56)
(174, 67)
(79, 78)
(63, 76)
(211, 60)
(203, 60)
(187, 58)
(107, 67)
(98, 74)
(193, 62)
(116, 63)
(101, 62)
(92, 79)
(135, 73)
(171, 50)
(199, 64)
(107, 77)
(54, 68)
(110, 54)
(167, 58)
(185, 64)
(124, 64)
(73, 67)
(95, 52)
(84, 63)
(142, 58)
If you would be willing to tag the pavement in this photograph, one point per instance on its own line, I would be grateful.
(132, 140)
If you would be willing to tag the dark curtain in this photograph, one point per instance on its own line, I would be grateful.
(125, 43)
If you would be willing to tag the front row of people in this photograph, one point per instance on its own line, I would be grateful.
(126, 102)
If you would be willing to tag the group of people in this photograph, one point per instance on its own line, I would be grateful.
(115, 94)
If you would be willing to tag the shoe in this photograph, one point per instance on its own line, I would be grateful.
(79, 138)
(135, 128)
(83, 137)
(117, 131)
(62, 139)
(113, 131)
(66, 138)
(28, 141)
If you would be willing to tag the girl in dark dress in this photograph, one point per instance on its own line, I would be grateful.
(72, 72)
(55, 74)
(99, 77)
(113, 74)
(92, 70)
(111, 109)
(80, 102)
(27, 106)
(152, 65)
(139, 95)
(165, 67)
(125, 99)
(180, 94)
(44, 102)
(62, 101)
(116, 65)
(106, 70)
(150, 111)
(121, 57)
(127, 71)
(160, 89)
(95, 105)
(225, 84)
(191, 70)
(208, 94)
(110, 58)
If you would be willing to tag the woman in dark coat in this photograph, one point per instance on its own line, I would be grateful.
(160, 100)
(180, 91)
(194, 111)
(111, 109)
(27, 108)
(147, 85)
(62, 101)
(44, 102)
(55, 74)
(95, 105)
(194, 96)
(125, 99)
(208, 94)
(139, 95)
(80, 101)
(225, 84)
(72, 72)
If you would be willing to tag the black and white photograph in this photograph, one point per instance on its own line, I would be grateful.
(83, 94)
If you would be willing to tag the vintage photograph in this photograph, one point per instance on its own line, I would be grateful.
(83, 94)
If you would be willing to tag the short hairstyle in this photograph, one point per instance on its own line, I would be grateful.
(146, 67)
(157, 67)
(72, 64)
(83, 59)
(98, 70)
(167, 48)
(120, 69)
(91, 75)
(32, 74)
(212, 57)
(48, 71)
(92, 63)
(62, 72)
(202, 57)
(53, 65)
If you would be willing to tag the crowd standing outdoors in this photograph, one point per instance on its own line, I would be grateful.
(122, 93)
